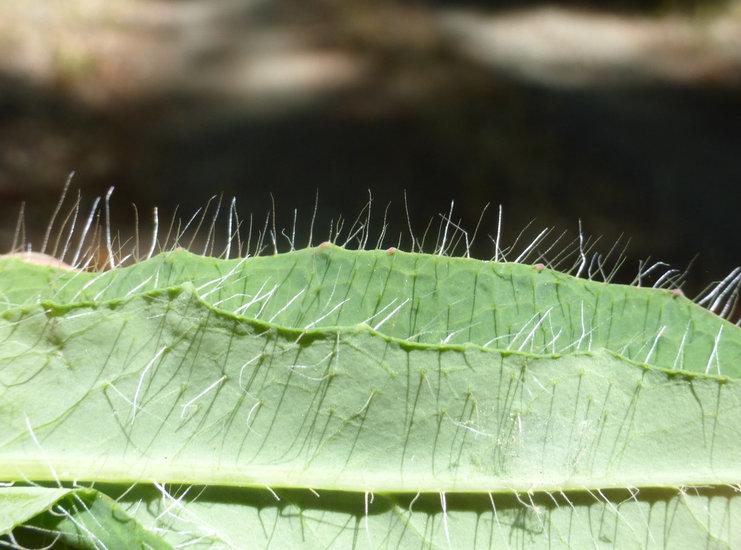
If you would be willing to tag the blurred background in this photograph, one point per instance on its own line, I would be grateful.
(625, 115)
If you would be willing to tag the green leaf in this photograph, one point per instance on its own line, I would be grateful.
(80, 518)
(433, 299)
(429, 400)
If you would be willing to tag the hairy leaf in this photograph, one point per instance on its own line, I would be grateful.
(78, 518)
(385, 399)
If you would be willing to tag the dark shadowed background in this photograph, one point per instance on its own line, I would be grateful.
(624, 115)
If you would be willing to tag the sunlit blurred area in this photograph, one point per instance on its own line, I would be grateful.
(625, 116)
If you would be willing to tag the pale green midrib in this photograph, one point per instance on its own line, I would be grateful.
(633, 336)
(292, 333)
(277, 477)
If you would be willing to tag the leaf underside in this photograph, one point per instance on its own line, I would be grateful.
(334, 398)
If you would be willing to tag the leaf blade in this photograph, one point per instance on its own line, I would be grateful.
(81, 518)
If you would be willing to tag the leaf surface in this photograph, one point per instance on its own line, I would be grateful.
(427, 399)
(80, 518)
(421, 298)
